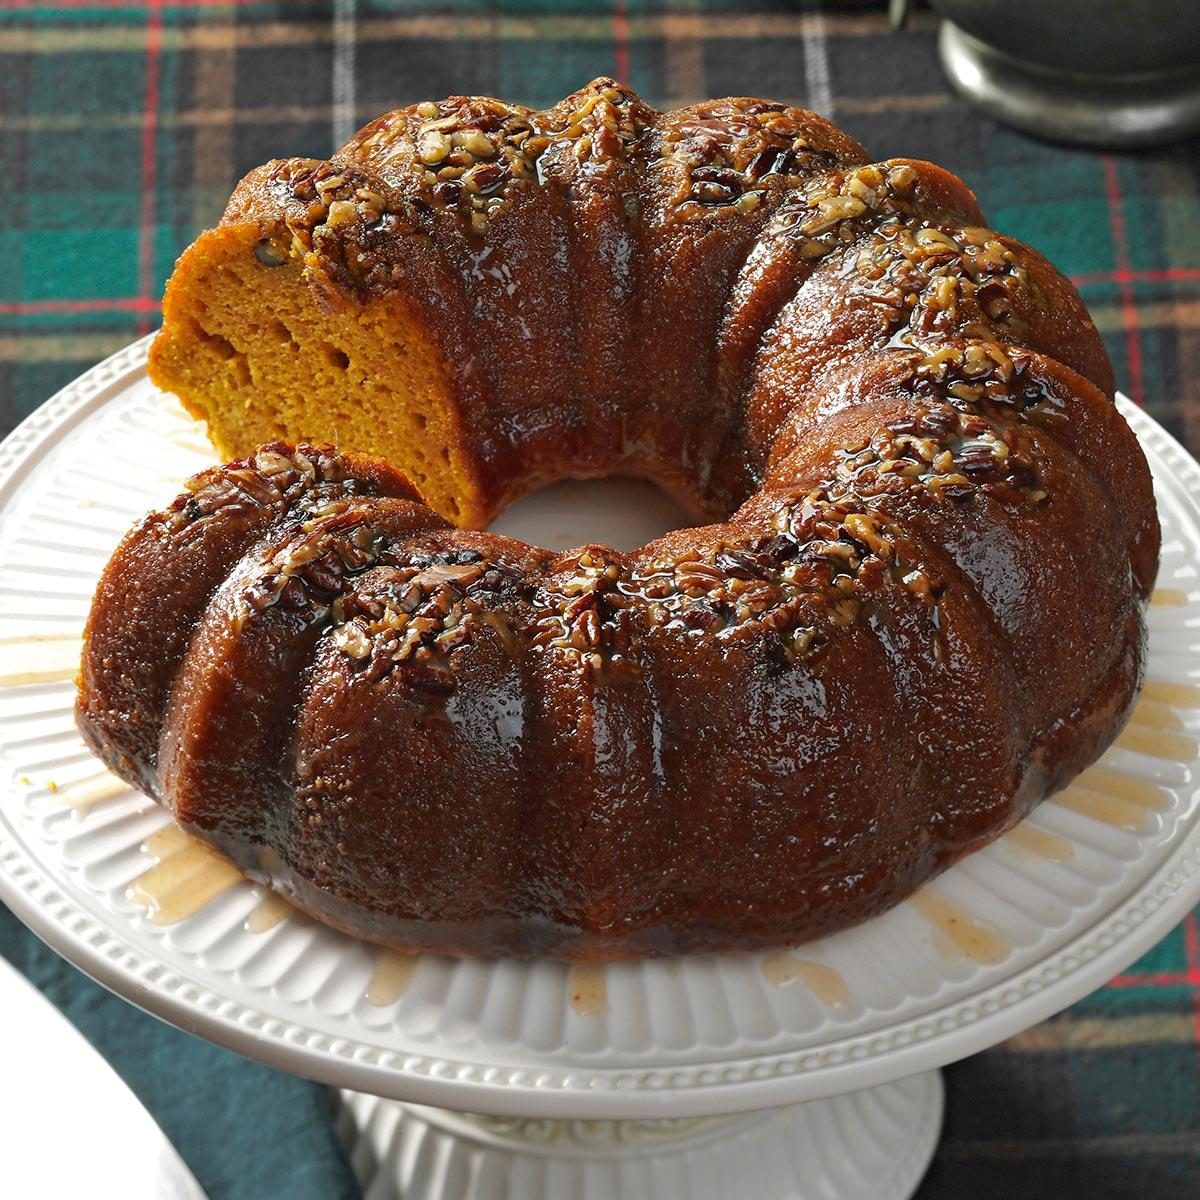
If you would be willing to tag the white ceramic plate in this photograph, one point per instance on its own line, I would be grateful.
(51, 1068)
(682, 1037)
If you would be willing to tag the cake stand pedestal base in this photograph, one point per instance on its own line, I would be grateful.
(869, 1145)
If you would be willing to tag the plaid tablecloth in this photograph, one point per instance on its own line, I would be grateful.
(124, 125)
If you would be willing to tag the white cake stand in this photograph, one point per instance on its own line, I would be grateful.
(803, 1074)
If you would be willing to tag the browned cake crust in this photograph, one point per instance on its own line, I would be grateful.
(921, 608)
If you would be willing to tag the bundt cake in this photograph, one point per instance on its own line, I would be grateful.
(919, 611)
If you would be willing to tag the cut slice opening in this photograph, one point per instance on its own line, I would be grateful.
(259, 359)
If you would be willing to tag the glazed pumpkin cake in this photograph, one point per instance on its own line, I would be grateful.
(916, 607)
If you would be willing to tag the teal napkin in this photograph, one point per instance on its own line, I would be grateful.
(246, 1131)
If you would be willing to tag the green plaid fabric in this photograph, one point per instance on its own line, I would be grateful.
(124, 125)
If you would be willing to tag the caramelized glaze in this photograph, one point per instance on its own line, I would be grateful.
(84, 793)
(270, 911)
(49, 658)
(390, 977)
(824, 982)
(1106, 808)
(916, 606)
(1168, 598)
(959, 934)
(1157, 743)
(187, 875)
(1180, 695)
(1039, 843)
(587, 989)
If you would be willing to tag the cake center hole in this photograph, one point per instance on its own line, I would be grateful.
(615, 511)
